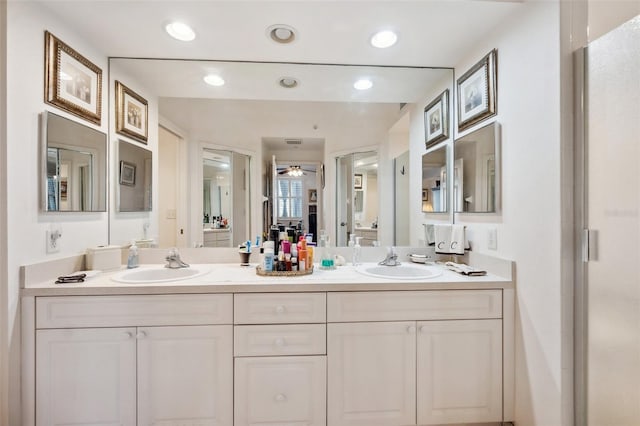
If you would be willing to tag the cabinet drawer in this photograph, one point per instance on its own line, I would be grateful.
(414, 305)
(280, 391)
(133, 310)
(288, 339)
(279, 308)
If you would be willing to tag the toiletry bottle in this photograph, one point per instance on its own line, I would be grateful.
(132, 259)
(357, 252)
(267, 265)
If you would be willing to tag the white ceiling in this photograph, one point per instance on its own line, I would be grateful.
(431, 33)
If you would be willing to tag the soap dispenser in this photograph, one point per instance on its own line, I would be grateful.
(357, 251)
(132, 259)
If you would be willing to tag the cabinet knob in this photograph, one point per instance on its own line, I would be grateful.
(411, 329)
(281, 397)
(141, 334)
(279, 341)
(423, 329)
(280, 309)
(128, 334)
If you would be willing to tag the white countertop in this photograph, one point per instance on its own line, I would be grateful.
(233, 278)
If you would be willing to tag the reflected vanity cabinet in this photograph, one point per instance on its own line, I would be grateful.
(375, 358)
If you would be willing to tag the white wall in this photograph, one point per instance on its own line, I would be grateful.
(4, 359)
(529, 226)
(26, 224)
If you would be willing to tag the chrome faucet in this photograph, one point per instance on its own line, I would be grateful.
(173, 260)
(391, 259)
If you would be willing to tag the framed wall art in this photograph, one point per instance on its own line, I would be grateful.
(313, 195)
(477, 92)
(127, 173)
(357, 181)
(436, 120)
(132, 112)
(72, 82)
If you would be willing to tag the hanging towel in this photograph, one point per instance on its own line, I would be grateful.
(429, 235)
(442, 235)
(458, 240)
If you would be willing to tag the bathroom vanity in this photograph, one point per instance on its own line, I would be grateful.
(232, 348)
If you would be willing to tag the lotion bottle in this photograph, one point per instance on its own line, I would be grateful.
(132, 259)
(357, 251)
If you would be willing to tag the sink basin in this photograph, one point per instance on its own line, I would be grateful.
(402, 272)
(159, 274)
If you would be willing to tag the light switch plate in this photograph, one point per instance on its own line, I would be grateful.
(492, 239)
(52, 243)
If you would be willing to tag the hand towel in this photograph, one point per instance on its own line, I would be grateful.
(458, 240)
(463, 269)
(442, 235)
(429, 235)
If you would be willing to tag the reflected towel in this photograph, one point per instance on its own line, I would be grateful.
(429, 234)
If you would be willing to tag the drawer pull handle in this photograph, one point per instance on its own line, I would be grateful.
(411, 329)
(280, 341)
(280, 309)
(141, 335)
(281, 397)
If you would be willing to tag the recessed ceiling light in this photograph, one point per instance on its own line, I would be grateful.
(363, 84)
(282, 34)
(180, 31)
(384, 39)
(288, 82)
(214, 80)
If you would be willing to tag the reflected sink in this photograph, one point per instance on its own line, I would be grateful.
(402, 272)
(159, 274)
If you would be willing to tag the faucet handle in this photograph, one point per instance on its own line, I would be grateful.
(173, 253)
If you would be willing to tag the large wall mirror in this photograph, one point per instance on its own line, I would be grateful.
(477, 171)
(257, 104)
(74, 166)
(134, 178)
(434, 195)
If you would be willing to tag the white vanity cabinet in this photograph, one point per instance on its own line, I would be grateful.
(148, 373)
(281, 363)
(427, 357)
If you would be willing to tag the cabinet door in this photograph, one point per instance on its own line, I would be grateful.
(459, 371)
(288, 390)
(185, 375)
(372, 374)
(86, 377)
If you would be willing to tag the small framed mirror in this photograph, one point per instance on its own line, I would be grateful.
(434, 192)
(134, 177)
(74, 177)
(477, 171)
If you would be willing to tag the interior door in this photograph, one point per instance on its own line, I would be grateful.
(241, 209)
(344, 197)
(401, 194)
(612, 189)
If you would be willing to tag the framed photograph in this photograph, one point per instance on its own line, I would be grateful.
(127, 173)
(357, 181)
(425, 195)
(477, 92)
(313, 195)
(132, 111)
(71, 81)
(436, 120)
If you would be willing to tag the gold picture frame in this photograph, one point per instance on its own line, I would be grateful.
(71, 82)
(132, 114)
(436, 120)
(477, 91)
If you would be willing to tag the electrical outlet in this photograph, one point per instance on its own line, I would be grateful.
(53, 245)
(492, 240)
